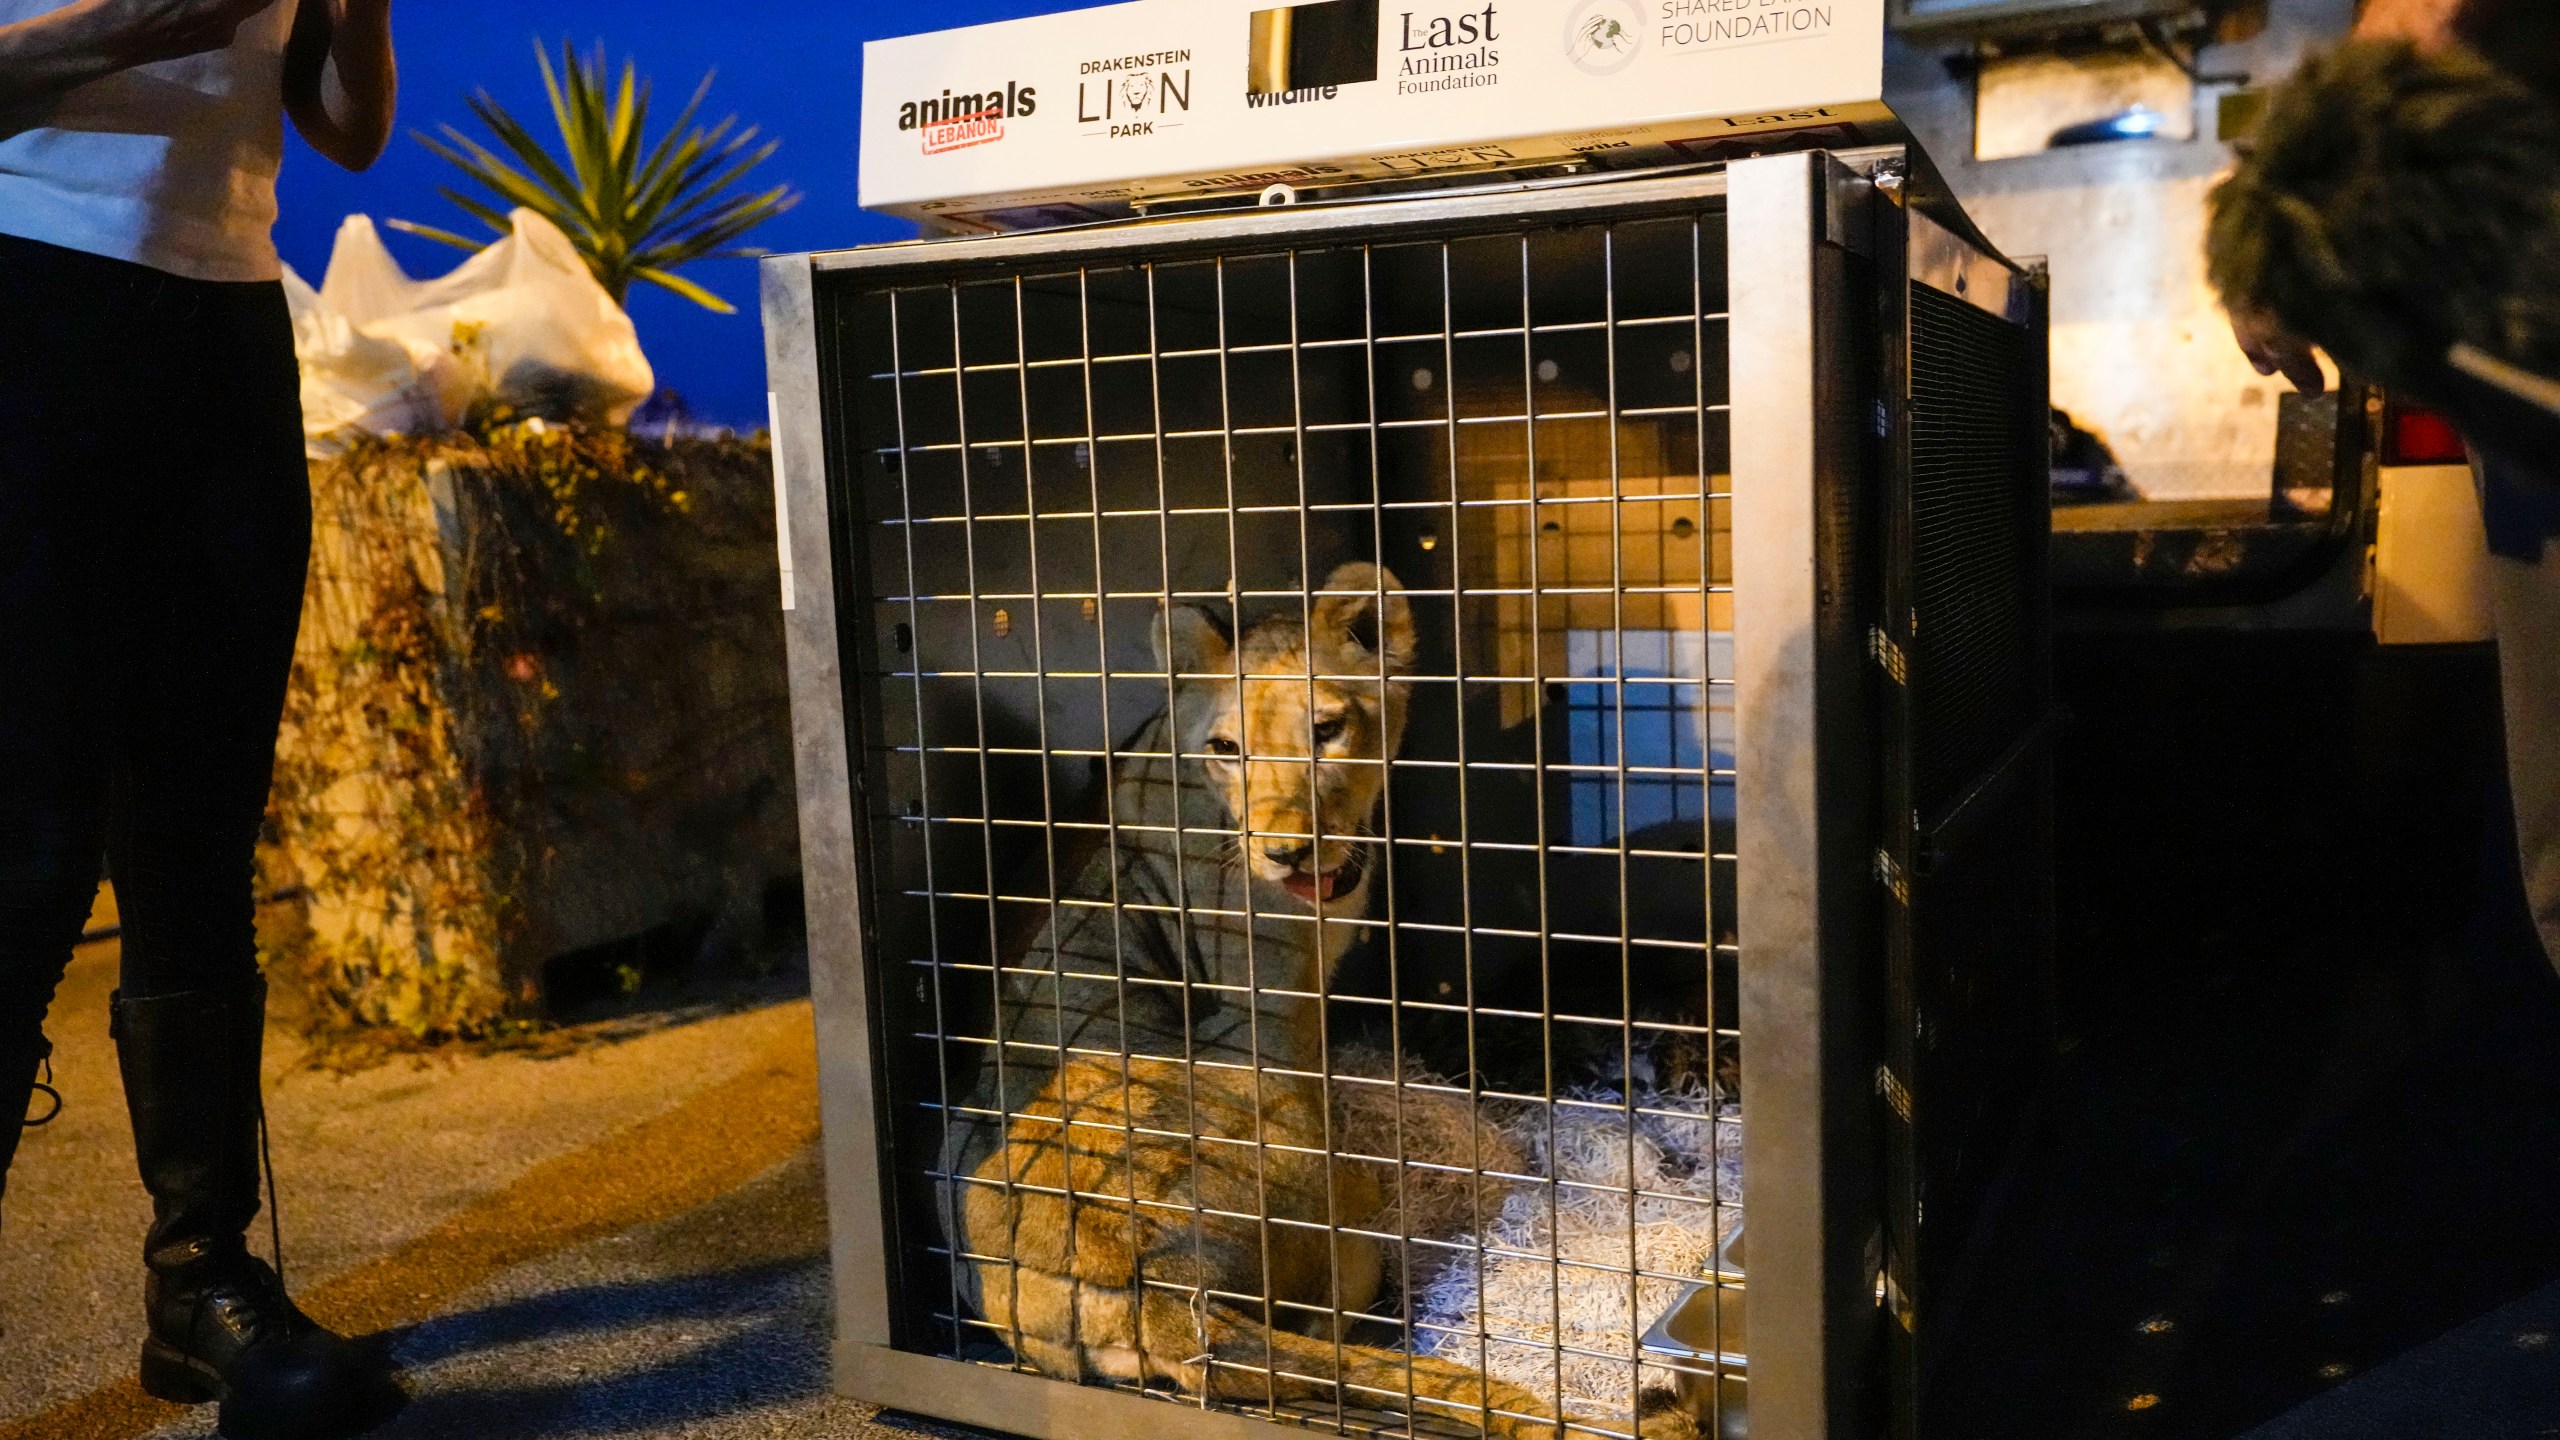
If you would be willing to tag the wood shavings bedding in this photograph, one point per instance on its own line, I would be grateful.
(1555, 1236)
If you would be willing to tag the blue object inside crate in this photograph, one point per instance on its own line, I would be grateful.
(1656, 698)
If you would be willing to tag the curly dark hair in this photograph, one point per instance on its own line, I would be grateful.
(2393, 203)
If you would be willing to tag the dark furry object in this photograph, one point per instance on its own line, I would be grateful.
(2523, 34)
(2392, 204)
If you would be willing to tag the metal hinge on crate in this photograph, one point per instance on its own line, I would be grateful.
(1888, 655)
(1889, 875)
(1898, 1302)
(1895, 1093)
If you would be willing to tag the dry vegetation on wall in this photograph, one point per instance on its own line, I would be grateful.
(538, 703)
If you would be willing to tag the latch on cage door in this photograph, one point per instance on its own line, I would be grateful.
(1889, 874)
(1898, 1302)
(1896, 1094)
(1888, 655)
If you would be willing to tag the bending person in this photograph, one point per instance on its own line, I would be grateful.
(2399, 206)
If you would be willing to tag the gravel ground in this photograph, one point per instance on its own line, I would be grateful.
(704, 1318)
(706, 1324)
(2496, 1378)
(712, 1326)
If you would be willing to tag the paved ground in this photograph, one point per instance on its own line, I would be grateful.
(2497, 1378)
(626, 1240)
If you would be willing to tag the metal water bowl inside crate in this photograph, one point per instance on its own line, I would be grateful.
(1705, 1341)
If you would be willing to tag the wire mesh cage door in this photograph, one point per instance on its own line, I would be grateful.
(1276, 705)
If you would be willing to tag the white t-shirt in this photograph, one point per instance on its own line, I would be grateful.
(171, 165)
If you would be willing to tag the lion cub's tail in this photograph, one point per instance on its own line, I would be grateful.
(1257, 1362)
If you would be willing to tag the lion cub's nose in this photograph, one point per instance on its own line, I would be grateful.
(1292, 853)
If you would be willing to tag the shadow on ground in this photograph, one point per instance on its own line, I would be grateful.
(714, 1323)
(716, 1346)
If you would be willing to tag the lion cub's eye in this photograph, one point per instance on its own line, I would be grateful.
(1221, 745)
(1329, 730)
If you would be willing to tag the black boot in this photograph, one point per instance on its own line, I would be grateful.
(222, 1327)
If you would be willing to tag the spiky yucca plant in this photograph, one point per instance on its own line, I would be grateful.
(635, 210)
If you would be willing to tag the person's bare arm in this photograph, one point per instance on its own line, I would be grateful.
(87, 40)
(2424, 23)
(341, 84)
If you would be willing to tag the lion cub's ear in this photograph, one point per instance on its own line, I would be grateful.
(1364, 611)
(1192, 641)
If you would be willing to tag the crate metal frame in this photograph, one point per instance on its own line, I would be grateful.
(1803, 236)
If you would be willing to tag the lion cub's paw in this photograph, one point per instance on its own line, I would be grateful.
(1660, 1415)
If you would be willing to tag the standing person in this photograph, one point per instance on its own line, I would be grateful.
(2400, 206)
(155, 522)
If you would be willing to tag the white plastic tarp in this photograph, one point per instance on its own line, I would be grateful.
(522, 322)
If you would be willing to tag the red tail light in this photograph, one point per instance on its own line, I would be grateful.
(2412, 436)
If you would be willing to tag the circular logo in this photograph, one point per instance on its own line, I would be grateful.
(1603, 37)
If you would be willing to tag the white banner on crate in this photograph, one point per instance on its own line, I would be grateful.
(1069, 117)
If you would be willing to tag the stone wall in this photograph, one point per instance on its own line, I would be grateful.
(539, 704)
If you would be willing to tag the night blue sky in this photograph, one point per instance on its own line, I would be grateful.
(795, 69)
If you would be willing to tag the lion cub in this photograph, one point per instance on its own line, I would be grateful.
(1146, 1195)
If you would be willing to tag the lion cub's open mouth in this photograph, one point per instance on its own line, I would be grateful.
(1332, 884)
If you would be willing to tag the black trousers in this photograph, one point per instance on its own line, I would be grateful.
(155, 522)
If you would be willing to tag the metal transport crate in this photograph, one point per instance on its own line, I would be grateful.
(1374, 776)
